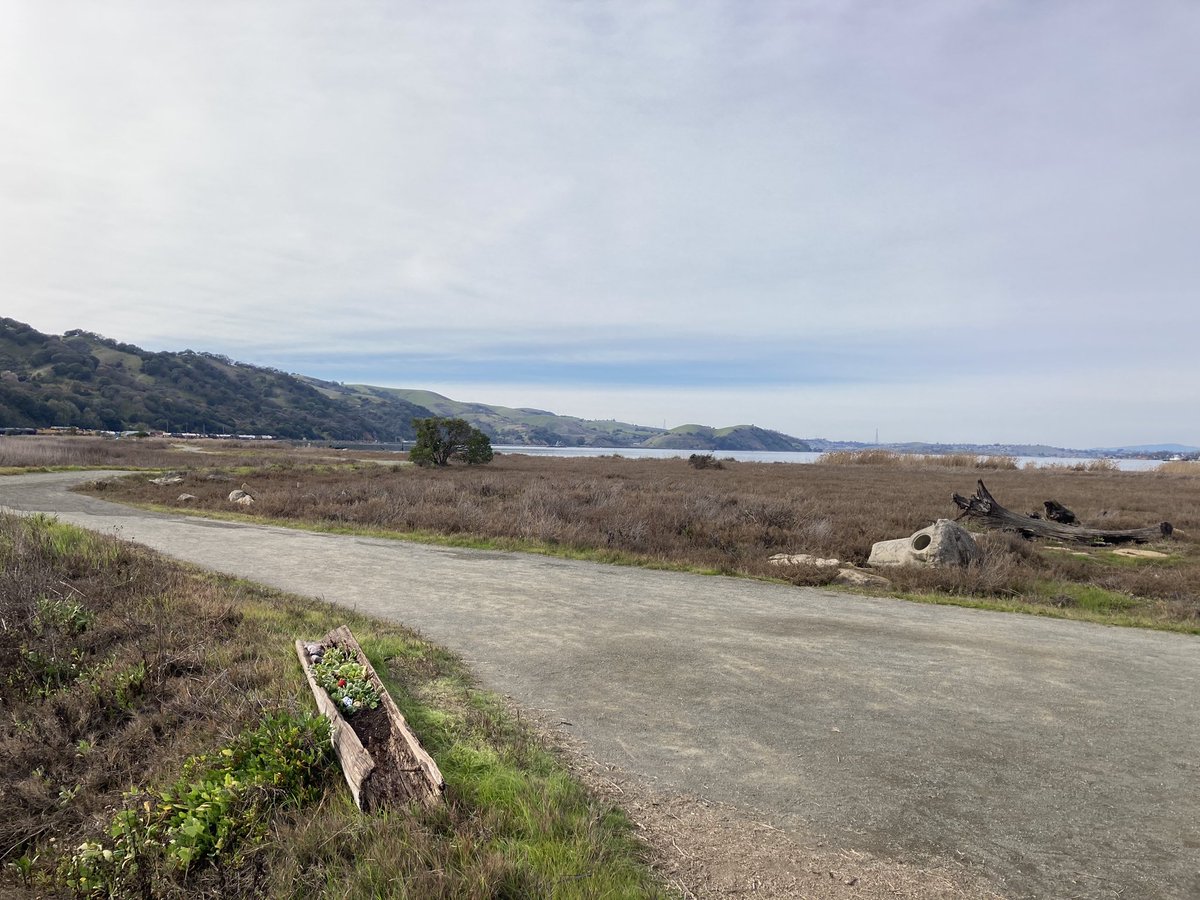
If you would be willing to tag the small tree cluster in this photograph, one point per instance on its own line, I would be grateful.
(441, 440)
(704, 461)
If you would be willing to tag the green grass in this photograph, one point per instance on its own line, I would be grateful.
(1087, 604)
(1085, 596)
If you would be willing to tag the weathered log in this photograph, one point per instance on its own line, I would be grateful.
(984, 509)
(399, 771)
(1056, 512)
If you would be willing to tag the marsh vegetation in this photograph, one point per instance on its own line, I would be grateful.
(158, 741)
(731, 519)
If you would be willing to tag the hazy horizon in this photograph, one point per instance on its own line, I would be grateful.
(945, 221)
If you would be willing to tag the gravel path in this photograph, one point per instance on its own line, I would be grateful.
(1053, 759)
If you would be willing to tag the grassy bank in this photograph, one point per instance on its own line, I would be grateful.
(731, 520)
(157, 743)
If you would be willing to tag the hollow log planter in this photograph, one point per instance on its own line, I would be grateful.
(984, 509)
(395, 774)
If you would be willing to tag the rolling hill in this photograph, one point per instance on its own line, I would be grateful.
(737, 437)
(503, 424)
(88, 381)
(85, 380)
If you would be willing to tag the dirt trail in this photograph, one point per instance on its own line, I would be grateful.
(1052, 759)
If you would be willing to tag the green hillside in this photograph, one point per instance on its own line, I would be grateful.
(88, 381)
(737, 437)
(506, 425)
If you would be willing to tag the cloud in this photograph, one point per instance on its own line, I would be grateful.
(759, 195)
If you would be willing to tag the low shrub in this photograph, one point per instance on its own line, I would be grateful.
(218, 811)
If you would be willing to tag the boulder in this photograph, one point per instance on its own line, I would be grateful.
(184, 498)
(167, 479)
(942, 544)
(802, 559)
(858, 578)
(240, 497)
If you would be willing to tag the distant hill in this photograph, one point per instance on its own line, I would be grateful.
(88, 381)
(737, 437)
(1152, 449)
(503, 424)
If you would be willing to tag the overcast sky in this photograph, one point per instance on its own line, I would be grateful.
(948, 221)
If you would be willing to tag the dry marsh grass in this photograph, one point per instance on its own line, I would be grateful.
(874, 457)
(47, 452)
(1179, 467)
(731, 520)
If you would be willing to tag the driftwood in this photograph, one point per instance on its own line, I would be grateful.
(984, 509)
(1056, 512)
(397, 769)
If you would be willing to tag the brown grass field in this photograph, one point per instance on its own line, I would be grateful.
(49, 452)
(730, 520)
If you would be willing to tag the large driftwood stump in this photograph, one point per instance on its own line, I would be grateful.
(1056, 512)
(396, 770)
(984, 509)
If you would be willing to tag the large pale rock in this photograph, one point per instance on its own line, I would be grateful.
(802, 559)
(942, 544)
(240, 497)
(167, 479)
(184, 498)
(859, 578)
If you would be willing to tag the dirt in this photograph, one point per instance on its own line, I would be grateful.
(707, 850)
(373, 729)
(391, 783)
(711, 850)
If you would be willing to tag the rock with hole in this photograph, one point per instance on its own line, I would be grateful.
(943, 544)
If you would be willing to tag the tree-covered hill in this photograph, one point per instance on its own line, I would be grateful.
(736, 437)
(504, 424)
(88, 381)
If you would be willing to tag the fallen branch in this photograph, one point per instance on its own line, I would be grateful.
(984, 509)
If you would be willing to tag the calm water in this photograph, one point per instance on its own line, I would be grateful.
(1127, 465)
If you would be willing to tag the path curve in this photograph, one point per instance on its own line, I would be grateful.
(1056, 759)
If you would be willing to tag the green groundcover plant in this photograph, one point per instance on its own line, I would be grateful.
(216, 810)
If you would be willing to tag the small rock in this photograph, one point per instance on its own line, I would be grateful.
(184, 498)
(168, 479)
(802, 559)
(859, 578)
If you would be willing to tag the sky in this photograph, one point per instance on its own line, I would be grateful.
(939, 220)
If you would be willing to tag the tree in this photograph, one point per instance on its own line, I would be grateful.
(440, 440)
